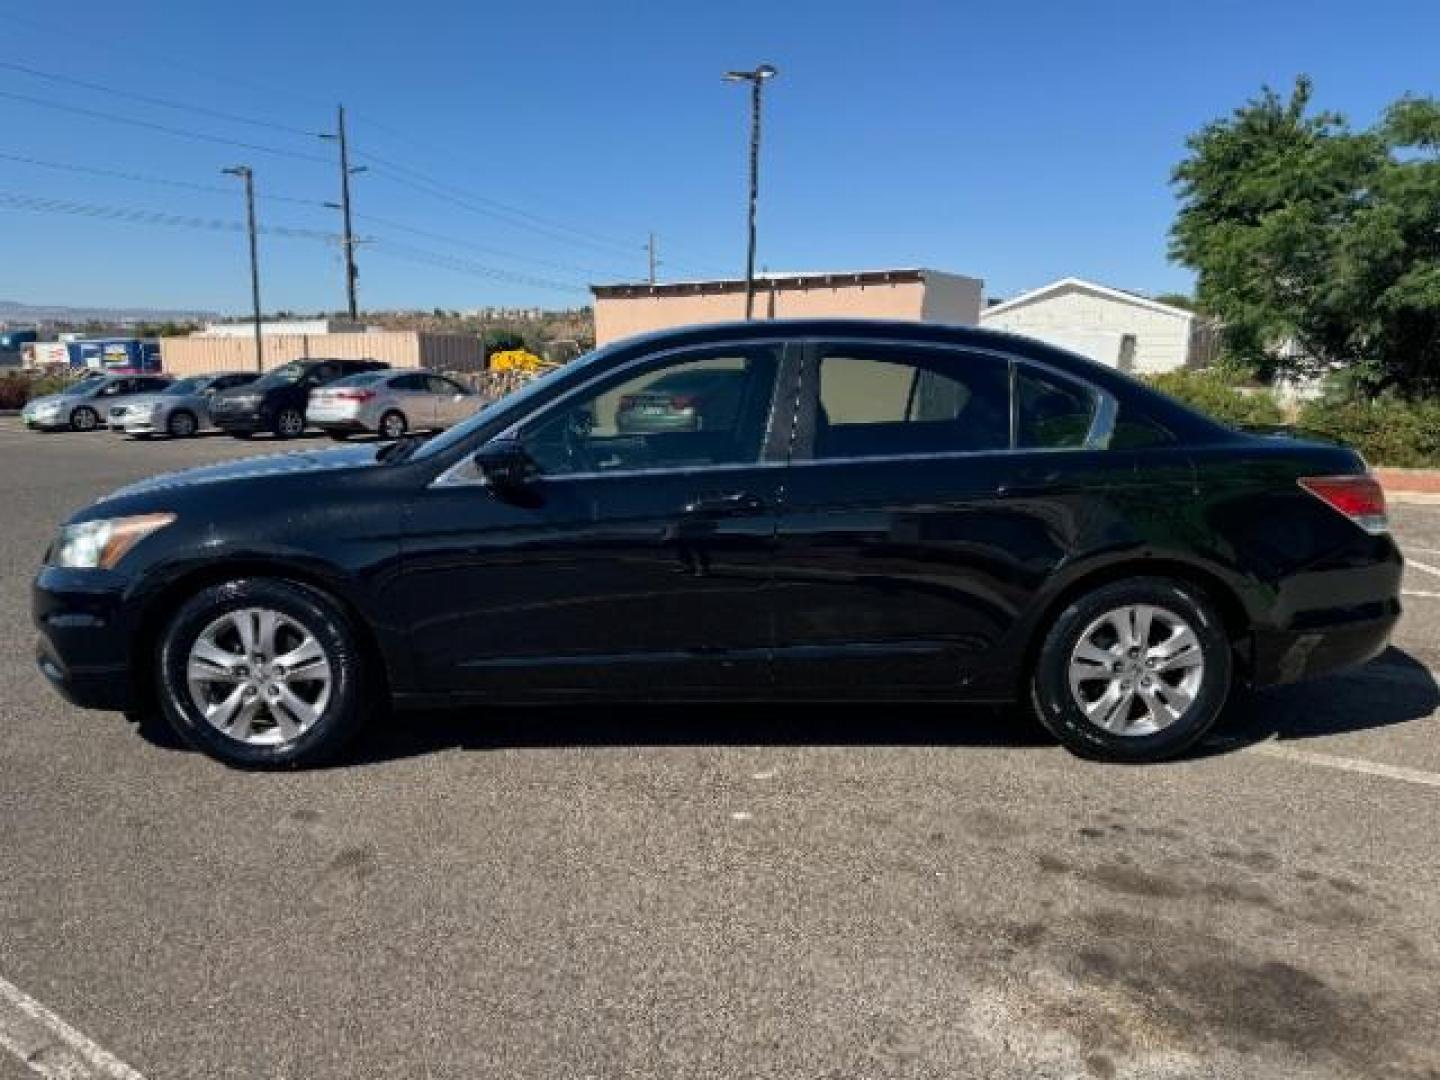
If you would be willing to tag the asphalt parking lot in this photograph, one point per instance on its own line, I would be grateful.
(670, 893)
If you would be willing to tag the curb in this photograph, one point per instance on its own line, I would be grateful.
(1401, 481)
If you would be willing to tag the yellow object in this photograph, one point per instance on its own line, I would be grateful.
(515, 360)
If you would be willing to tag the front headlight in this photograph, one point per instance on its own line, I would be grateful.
(99, 545)
(50, 408)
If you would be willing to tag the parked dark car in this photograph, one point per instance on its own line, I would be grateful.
(895, 512)
(276, 402)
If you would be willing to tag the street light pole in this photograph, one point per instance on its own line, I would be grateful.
(247, 174)
(756, 79)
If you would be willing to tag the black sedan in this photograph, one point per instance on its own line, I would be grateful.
(890, 511)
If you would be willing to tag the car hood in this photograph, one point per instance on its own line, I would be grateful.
(53, 399)
(271, 465)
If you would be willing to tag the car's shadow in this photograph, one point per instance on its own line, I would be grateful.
(1393, 689)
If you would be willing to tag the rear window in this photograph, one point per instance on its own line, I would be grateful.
(358, 380)
(1051, 412)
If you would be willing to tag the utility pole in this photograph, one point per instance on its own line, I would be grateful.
(654, 262)
(757, 80)
(247, 174)
(347, 240)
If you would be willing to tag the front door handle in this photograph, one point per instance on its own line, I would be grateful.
(733, 502)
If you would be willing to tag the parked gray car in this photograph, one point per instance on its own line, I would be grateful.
(180, 410)
(85, 405)
(389, 403)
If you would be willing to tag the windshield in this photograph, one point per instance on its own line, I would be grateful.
(289, 373)
(460, 432)
(188, 386)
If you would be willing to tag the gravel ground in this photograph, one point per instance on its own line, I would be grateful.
(837, 892)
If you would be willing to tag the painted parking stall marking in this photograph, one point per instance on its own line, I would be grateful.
(47, 1045)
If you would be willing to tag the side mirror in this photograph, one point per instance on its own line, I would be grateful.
(504, 465)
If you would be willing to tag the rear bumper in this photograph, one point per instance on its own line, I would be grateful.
(84, 636)
(1286, 656)
(351, 426)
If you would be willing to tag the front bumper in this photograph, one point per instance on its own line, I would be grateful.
(237, 423)
(84, 629)
(45, 423)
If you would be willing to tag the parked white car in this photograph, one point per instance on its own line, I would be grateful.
(389, 403)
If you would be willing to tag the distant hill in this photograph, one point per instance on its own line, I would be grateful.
(13, 311)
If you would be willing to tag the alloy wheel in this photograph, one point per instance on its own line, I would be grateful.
(259, 676)
(84, 419)
(392, 425)
(1136, 670)
(290, 423)
(182, 425)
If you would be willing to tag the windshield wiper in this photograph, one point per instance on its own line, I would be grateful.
(397, 451)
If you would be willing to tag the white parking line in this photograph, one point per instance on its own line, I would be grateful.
(51, 1047)
(1345, 764)
(1420, 593)
(1423, 566)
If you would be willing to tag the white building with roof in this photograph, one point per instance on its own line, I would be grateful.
(1121, 329)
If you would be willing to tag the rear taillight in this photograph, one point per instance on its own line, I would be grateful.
(683, 402)
(1360, 498)
(352, 395)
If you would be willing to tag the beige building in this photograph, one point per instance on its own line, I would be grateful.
(918, 294)
(201, 353)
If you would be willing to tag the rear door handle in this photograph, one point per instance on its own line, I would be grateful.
(734, 502)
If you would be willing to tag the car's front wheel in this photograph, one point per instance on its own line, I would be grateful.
(289, 423)
(84, 419)
(1135, 670)
(262, 673)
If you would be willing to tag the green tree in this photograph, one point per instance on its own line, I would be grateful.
(1302, 230)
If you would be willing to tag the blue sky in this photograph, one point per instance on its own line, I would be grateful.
(1014, 142)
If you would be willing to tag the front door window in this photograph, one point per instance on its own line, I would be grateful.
(705, 409)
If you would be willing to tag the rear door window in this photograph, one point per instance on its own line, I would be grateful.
(409, 383)
(893, 401)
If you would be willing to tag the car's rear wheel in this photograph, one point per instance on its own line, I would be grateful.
(393, 425)
(84, 419)
(262, 673)
(289, 423)
(1136, 670)
(181, 424)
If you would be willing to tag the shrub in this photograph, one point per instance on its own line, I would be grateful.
(1212, 391)
(1388, 431)
(14, 391)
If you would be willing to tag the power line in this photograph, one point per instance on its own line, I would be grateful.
(41, 204)
(183, 133)
(23, 201)
(141, 178)
(164, 103)
(157, 56)
(471, 246)
(465, 266)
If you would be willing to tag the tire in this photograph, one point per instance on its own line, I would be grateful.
(270, 719)
(84, 419)
(182, 424)
(393, 425)
(1188, 682)
(288, 423)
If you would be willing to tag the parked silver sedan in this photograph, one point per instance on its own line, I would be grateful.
(180, 410)
(389, 403)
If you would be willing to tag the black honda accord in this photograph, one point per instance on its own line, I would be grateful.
(873, 510)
